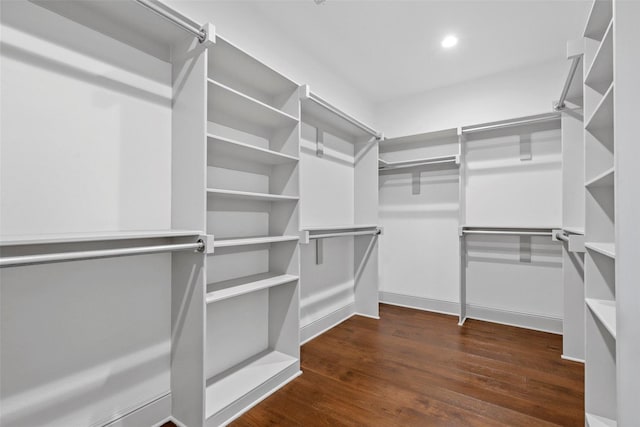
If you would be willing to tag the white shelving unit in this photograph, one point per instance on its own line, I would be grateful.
(600, 226)
(252, 194)
(94, 76)
(339, 162)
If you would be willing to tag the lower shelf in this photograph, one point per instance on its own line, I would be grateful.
(245, 241)
(604, 310)
(596, 421)
(246, 383)
(232, 288)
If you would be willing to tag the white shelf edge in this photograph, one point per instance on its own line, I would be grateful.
(251, 195)
(251, 99)
(574, 230)
(42, 239)
(592, 17)
(338, 227)
(597, 421)
(605, 311)
(452, 158)
(608, 33)
(598, 179)
(246, 146)
(607, 249)
(248, 287)
(247, 241)
(605, 96)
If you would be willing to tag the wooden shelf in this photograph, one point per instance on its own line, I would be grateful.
(600, 124)
(235, 287)
(606, 249)
(99, 236)
(605, 179)
(227, 106)
(246, 241)
(229, 62)
(574, 230)
(225, 389)
(599, 18)
(596, 421)
(600, 74)
(247, 195)
(248, 152)
(605, 311)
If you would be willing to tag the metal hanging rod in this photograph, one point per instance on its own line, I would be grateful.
(508, 231)
(198, 246)
(173, 17)
(567, 84)
(417, 162)
(307, 94)
(517, 122)
(346, 234)
(561, 235)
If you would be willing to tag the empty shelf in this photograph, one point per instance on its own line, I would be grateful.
(229, 107)
(596, 421)
(600, 74)
(605, 311)
(41, 239)
(248, 152)
(232, 385)
(235, 287)
(600, 124)
(599, 18)
(245, 241)
(607, 249)
(248, 195)
(452, 160)
(605, 179)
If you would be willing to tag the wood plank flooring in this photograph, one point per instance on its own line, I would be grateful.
(414, 368)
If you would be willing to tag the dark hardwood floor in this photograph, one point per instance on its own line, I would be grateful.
(414, 368)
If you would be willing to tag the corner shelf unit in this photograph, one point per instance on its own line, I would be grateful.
(252, 197)
(600, 205)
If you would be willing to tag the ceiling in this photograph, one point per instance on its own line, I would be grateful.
(391, 48)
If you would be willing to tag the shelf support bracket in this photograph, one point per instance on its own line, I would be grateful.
(319, 142)
(525, 147)
(319, 251)
(415, 182)
(525, 249)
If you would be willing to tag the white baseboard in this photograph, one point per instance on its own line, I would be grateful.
(152, 413)
(572, 359)
(487, 314)
(322, 325)
(420, 303)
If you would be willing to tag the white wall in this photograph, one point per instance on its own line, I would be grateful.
(500, 96)
(243, 26)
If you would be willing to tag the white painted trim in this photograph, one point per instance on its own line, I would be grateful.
(420, 303)
(367, 315)
(169, 419)
(261, 398)
(158, 408)
(572, 359)
(322, 325)
(522, 320)
(535, 322)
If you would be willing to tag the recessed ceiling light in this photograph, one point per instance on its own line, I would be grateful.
(449, 41)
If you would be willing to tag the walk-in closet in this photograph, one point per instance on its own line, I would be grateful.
(319, 213)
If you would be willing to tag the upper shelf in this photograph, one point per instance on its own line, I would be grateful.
(605, 311)
(453, 160)
(600, 74)
(229, 107)
(234, 67)
(231, 148)
(319, 113)
(599, 17)
(339, 227)
(600, 124)
(43, 239)
(126, 21)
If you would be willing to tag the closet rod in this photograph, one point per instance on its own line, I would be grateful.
(517, 122)
(509, 232)
(324, 104)
(567, 84)
(562, 236)
(415, 163)
(175, 18)
(198, 246)
(349, 233)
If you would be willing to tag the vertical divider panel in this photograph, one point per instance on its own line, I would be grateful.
(188, 210)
